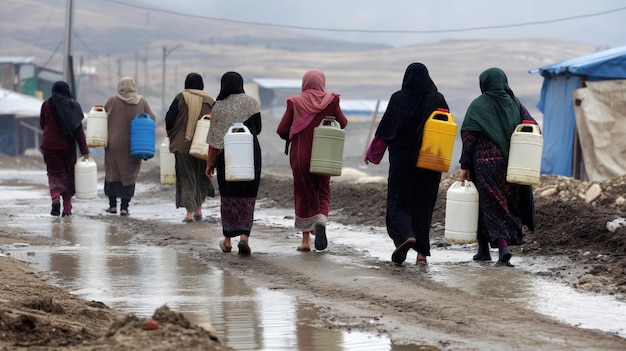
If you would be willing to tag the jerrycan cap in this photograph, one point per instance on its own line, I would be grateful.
(527, 121)
(439, 109)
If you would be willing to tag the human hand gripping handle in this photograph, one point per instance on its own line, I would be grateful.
(210, 163)
(465, 175)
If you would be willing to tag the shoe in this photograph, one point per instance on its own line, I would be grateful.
(399, 254)
(197, 218)
(320, 237)
(303, 249)
(504, 255)
(244, 249)
(482, 256)
(123, 212)
(224, 247)
(66, 214)
(187, 220)
(56, 208)
(112, 210)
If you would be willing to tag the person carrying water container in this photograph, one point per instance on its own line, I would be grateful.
(237, 198)
(304, 113)
(61, 121)
(120, 168)
(486, 133)
(411, 191)
(192, 184)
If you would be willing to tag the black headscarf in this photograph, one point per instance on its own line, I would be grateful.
(65, 109)
(194, 81)
(407, 111)
(232, 83)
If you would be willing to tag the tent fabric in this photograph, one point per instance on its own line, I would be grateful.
(601, 119)
(558, 129)
(556, 104)
(606, 64)
(12, 103)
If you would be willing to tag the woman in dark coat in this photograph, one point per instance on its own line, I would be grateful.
(504, 207)
(411, 191)
(192, 185)
(306, 111)
(61, 121)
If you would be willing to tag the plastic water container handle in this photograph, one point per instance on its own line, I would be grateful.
(235, 128)
(82, 159)
(330, 121)
(206, 117)
(527, 128)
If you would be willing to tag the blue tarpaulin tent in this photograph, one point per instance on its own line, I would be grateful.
(556, 102)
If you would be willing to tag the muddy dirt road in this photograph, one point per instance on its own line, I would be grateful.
(354, 290)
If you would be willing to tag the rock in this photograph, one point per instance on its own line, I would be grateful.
(620, 201)
(592, 193)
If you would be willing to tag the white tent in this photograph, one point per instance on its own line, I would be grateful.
(12, 103)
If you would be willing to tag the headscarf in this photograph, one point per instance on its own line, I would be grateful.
(417, 99)
(65, 109)
(127, 91)
(193, 96)
(495, 113)
(310, 101)
(233, 105)
(231, 83)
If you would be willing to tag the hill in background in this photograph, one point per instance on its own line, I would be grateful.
(119, 40)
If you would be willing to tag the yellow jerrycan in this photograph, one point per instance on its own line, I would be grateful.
(438, 141)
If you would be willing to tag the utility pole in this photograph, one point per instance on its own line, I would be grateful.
(145, 71)
(136, 68)
(165, 53)
(67, 60)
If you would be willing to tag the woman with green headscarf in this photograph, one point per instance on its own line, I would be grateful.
(486, 132)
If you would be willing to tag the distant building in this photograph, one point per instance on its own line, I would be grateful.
(273, 94)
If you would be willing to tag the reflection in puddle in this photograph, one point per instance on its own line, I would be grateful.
(97, 265)
(100, 264)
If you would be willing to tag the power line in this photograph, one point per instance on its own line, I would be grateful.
(429, 31)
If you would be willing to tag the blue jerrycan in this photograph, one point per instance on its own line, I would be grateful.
(142, 136)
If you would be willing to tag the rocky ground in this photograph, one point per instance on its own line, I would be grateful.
(582, 220)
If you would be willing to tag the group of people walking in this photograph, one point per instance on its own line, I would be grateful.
(412, 191)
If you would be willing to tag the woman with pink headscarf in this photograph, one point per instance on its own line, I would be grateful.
(306, 111)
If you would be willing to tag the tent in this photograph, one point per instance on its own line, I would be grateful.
(561, 79)
(19, 122)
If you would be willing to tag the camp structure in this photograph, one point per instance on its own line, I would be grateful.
(583, 101)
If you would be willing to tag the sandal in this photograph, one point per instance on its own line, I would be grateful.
(244, 249)
(321, 242)
(112, 210)
(197, 217)
(123, 212)
(421, 261)
(224, 247)
(303, 249)
(187, 220)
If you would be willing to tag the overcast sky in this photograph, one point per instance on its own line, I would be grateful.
(586, 25)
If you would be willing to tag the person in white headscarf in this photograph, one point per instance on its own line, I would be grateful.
(121, 169)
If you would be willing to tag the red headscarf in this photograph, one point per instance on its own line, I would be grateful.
(310, 101)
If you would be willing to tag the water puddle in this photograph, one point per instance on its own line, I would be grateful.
(98, 263)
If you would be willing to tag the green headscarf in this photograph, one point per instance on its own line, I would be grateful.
(495, 113)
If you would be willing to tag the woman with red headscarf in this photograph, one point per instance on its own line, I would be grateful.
(306, 111)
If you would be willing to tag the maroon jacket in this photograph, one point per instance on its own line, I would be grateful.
(53, 138)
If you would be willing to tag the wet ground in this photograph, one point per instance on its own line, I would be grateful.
(140, 263)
